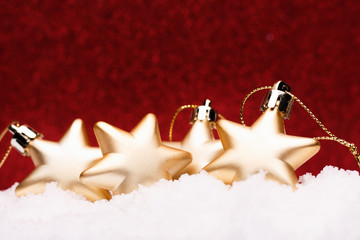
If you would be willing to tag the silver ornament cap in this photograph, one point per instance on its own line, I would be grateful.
(279, 96)
(23, 135)
(204, 112)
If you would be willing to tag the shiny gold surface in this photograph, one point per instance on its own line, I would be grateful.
(63, 162)
(200, 142)
(134, 158)
(265, 146)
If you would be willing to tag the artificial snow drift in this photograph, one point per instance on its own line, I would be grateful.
(194, 207)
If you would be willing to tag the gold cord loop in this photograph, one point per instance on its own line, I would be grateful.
(175, 115)
(221, 116)
(246, 98)
(351, 146)
(10, 147)
(177, 112)
(312, 115)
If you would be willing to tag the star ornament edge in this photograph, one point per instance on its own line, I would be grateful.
(169, 159)
(45, 162)
(284, 168)
(198, 141)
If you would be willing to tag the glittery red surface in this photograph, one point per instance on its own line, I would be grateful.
(115, 61)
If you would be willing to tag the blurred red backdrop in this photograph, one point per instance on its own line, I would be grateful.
(115, 61)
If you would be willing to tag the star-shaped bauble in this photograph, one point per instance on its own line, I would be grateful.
(134, 158)
(63, 162)
(265, 146)
(199, 141)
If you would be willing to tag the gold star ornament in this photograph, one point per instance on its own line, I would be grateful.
(60, 162)
(264, 145)
(134, 158)
(199, 141)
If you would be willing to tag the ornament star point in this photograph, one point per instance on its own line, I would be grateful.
(261, 146)
(63, 163)
(144, 160)
(199, 141)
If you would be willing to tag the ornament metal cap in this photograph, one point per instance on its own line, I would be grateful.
(23, 135)
(204, 112)
(279, 97)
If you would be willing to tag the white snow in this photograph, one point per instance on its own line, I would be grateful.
(194, 207)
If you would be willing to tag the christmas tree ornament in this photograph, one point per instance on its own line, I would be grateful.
(264, 145)
(134, 158)
(61, 162)
(330, 136)
(199, 141)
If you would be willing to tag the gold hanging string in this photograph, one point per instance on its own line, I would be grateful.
(221, 116)
(246, 98)
(351, 146)
(10, 147)
(177, 112)
(175, 115)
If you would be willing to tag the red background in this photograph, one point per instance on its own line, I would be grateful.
(115, 61)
